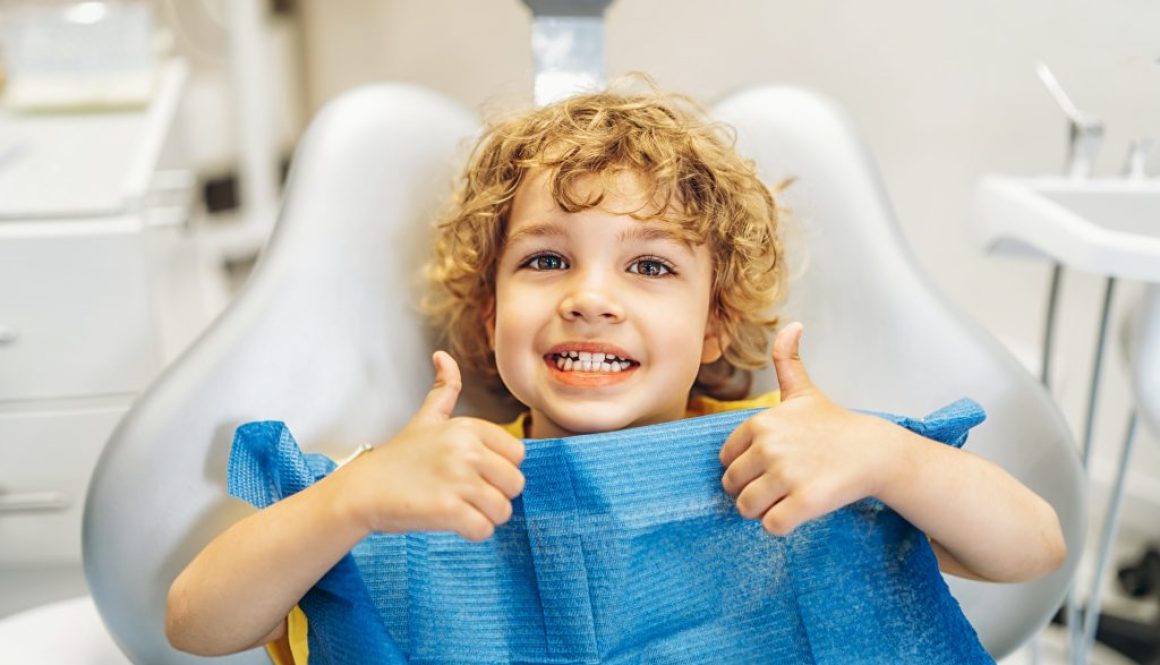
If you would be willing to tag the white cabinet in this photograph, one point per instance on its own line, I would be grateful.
(75, 305)
(91, 230)
(46, 458)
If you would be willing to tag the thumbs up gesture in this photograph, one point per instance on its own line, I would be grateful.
(803, 458)
(438, 473)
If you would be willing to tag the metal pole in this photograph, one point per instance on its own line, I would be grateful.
(1109, 290)
(1049, 326)
(1111, 522)
(1079, 648)
(567, 47)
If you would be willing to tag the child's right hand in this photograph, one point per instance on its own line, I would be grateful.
(439, 473)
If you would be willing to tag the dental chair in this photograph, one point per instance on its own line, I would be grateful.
(326, 336)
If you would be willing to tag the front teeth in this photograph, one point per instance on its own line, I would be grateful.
(584, 361)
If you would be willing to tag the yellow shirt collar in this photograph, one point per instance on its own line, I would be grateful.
(701, 405)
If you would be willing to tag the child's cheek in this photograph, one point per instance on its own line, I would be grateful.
(513, 344)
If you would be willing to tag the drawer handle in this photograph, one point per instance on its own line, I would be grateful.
(8, 335)
(27, 502)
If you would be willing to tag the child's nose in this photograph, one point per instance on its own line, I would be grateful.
(591, 305)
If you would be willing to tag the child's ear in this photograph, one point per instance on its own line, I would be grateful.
(716, 340)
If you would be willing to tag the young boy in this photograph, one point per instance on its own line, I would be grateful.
(605, 263)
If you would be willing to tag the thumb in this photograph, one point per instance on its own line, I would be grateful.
(440, 402)
(792, 378)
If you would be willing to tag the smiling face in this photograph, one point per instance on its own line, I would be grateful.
(570, 286)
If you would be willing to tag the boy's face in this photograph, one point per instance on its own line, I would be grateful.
(568, 281)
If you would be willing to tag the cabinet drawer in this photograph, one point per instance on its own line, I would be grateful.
(74, 310)
(46, 460)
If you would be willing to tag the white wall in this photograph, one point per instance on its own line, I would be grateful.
(943, 92)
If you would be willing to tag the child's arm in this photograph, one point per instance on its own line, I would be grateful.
(438, 474)
(807, 457)
(236, 593)
(983, 523)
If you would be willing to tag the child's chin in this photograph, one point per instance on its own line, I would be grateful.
(594, 421)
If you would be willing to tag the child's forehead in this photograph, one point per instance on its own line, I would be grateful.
(619, 191)
(620, 183)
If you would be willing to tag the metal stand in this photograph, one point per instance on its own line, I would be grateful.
(1049, 326)
(1092, 613)
(1045, 379)
(567, 47)
(1082, 637)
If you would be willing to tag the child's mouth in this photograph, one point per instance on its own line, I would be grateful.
(589, 369)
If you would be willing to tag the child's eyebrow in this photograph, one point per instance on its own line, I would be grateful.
(640, 232)
(541, 230)
(635, 232)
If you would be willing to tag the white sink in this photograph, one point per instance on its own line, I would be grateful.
(35, 636)
(1109, 226)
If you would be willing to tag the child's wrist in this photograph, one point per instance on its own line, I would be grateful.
(344, 503)
(896, 451)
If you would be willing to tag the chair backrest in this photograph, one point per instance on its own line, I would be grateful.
(879, 335)
(326, 336)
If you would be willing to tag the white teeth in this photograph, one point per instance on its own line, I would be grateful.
(585, 361)
(575, 365)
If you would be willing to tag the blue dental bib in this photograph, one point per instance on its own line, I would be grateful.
(624, 548)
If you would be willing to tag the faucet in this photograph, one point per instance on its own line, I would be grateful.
(1085, 131)
(1136, 165)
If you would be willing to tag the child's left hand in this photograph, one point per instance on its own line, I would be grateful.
(805, 457)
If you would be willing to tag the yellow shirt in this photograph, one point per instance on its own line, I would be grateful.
(293, 648)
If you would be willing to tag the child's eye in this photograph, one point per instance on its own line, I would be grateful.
(545, 262)
(651, 267)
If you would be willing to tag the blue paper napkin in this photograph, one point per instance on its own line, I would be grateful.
(623, 548)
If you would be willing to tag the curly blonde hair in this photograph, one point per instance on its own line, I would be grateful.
(693, 176)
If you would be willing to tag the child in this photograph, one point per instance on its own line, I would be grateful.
(605, 263)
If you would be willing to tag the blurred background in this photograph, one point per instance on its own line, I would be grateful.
(142, 146)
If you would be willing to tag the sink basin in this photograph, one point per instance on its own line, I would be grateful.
(1109, 226)
(35, 636)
